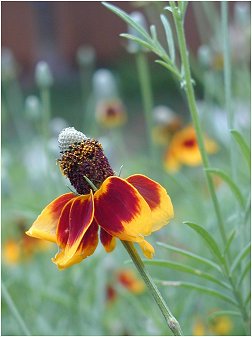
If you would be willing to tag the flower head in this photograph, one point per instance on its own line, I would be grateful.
(110, 113)
(128, 209)
(184, 150)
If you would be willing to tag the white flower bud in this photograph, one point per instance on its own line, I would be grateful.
(68, 137)
(242, 13)
(8, 64)
(205, 56)
(85, 55)
(32, 107)
(139, 18)
(104, 84)
(43, 75)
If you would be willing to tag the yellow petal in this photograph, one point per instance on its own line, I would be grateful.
(45, 225)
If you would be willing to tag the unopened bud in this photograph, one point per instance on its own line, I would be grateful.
(85, 55)
(32, 107)
(43, 75)
(104, 84)
(138, 18)
(205, 56)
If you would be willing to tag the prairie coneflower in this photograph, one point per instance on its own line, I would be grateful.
(110, 113)
(128, 280)
(166, 122)
(128, 209)
(184, 150)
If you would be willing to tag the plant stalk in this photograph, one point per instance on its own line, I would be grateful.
(14, 310)
(146, 92)
(170, 319)
(194, 113)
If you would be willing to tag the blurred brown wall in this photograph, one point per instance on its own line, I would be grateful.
(53, 30)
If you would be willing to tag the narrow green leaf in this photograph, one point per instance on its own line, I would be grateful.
(212, 245)
(169, 67)
(193, 256)
(247, 299)
(233, 187)
(153, 33)
(197, 287)
(224, 312)
(186, 269)
(169, 37)
(243, 145)
(244, 252)
(243, 274)
(229, 241)
(125, 17)
(138, 40)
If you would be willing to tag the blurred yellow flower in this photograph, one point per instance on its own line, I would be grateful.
(111, 113)
(198, 328)
(221, 325)
(11, 252)
(183, 149)
(128, 280)
(17, 250)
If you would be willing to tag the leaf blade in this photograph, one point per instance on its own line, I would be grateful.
(169, 37)
(242, 144)
(186, 269)
(240, 257)
(190, 255)
(213, 247)
(233, 187)
(199, 288)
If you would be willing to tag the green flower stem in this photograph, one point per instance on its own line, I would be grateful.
(170, 319)
(227, 80)
(194, 113)
(14, 310)
(46, 108)
(145, 85)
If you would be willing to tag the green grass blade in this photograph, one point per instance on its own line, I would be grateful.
(186, 269)
(247, 299)
(224, 312)
(125, 17)
(169, 37)
(212, 245)
(14, 310)
(244, 252)
(243, 145)
(229, 241)
(170, 67)
(199, 288)
(193, 256)
(243, 274)
(233, 187)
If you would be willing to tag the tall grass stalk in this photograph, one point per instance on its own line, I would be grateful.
(227, 80)
(146, 92)
(14, 310)
(188, 85)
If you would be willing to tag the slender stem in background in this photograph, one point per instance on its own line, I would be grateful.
(194, 113)
(227, 80)
(14, 310)
(46, 108)
(145, 85)
(170, 319)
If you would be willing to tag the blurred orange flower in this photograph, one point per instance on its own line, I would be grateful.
(129, 280)
(111, 113)
(183, 149)
(18, 250)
